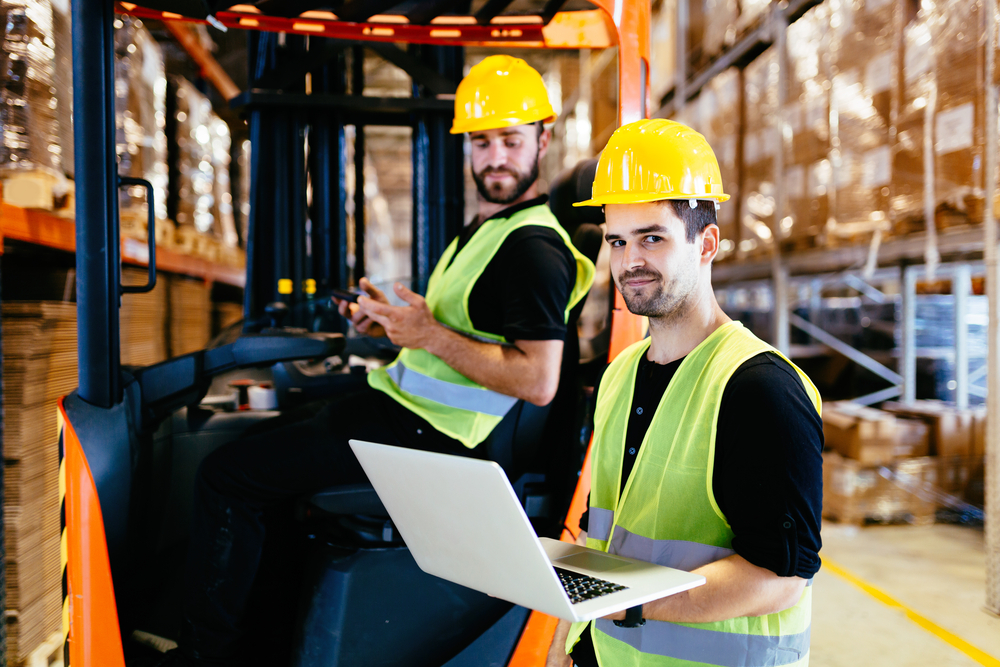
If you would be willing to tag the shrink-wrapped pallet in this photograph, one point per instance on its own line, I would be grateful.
(941, 126)
(713, 27)
(761, 143)
(864, 61)
(914, 127)
(62, 28)
(204, 194)
(31, 152)
(718, 109)
(958, 43)
(808, 172)
(140, 116)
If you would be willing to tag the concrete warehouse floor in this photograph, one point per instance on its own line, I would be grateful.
(936, 571)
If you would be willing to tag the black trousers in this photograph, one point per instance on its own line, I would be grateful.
(298, 453)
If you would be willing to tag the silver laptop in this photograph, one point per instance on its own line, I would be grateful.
(463, 522)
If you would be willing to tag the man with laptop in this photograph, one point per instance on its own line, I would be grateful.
(489, 332)
(707, 441)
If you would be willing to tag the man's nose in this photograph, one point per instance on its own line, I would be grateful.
(497, 154)
(632, 257)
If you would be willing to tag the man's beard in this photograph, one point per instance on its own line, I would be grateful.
(665, 303)
(499, 193)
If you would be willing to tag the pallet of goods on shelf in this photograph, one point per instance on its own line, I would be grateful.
(808, 171)
(39, 367)
(143, 320)
(863, 60)
(856, 493)
(663, 49)
(201, 202)
(942, 112)
(140, 116)
(31, 158)
(711, 28)
(190, 315)
(717, 116)
(224, 315)
(761, 142)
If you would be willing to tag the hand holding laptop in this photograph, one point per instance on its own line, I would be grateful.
(463, 522)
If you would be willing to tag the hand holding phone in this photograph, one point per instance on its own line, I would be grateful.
(344, 295)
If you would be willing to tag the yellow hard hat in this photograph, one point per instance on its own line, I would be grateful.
(500, 91)
(652, 160)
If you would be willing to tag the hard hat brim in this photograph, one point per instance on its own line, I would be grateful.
(646, 197)
(483, 124)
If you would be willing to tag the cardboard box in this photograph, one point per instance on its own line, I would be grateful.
(912, 439)
(860, 433)
(856, 493)
(951, 429)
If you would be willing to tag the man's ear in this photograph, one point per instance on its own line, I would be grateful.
(544, 139)
(710, 243)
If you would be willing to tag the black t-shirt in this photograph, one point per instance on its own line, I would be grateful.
(523, 291)
(768, 476)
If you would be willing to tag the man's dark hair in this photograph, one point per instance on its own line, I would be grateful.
(695, 219)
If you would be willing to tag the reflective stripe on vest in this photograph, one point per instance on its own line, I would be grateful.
(709, 646)
(599, 523)
(678, 554)
(453, 395)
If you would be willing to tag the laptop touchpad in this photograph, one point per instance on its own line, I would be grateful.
(596, 562)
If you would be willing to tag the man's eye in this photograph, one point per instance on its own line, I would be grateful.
(513, 144)
(618, 243)
(653, 239)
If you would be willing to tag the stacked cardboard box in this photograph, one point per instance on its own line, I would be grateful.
(957, 440)
(856, 493)
(224, 315)
(864, 61)
(808, 173)
(958, 44)
(39, 366)
(143, 321)
(663, 49)
(761, 142)
(190, 315)
(718, 110)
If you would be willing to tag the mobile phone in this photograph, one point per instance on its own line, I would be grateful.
(344, 295)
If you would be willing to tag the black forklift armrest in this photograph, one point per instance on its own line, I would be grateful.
(181, 381)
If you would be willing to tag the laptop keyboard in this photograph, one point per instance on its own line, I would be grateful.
(581, 588)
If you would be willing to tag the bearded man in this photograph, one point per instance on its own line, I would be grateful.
(488, 333)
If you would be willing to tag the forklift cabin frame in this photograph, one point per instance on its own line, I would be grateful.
(90, 615)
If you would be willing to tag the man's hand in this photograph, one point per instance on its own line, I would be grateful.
(361, 321)
(411, 326)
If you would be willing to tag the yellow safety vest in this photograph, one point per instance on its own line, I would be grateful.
(667, 512)
(426, 385)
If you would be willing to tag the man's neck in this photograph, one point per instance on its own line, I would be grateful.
(488, 209)
(675, 338)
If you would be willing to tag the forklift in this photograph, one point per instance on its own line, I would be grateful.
(345, 591)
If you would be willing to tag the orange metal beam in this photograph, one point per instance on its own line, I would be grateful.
(45, 229)
(567, 30)
(210, 67)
